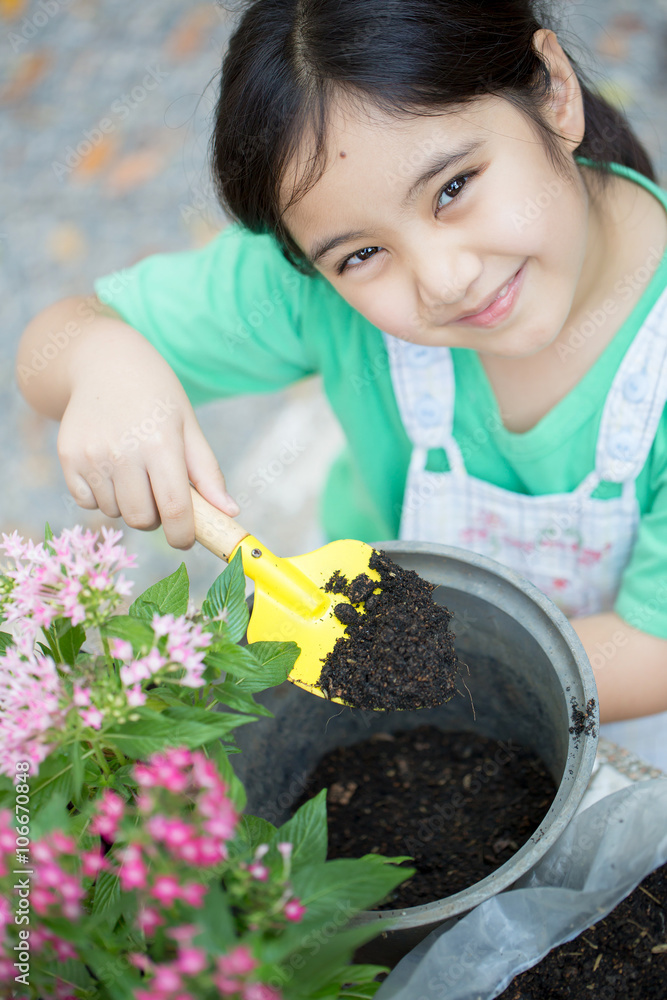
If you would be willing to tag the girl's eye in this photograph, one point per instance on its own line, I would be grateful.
(452, 189)
(357, 258)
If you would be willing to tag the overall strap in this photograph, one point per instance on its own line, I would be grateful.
(423, 381)
(635, 402)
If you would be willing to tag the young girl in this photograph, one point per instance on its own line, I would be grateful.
(435, 213)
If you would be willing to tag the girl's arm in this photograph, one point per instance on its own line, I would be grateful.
(129, 441)
(630, 666)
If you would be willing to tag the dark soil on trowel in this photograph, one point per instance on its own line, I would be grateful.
(459, 804)
(623, 957)
(397, 652)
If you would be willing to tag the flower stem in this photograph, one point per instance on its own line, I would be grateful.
(101, 760)
(107, 653)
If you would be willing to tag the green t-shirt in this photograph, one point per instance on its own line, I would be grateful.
(235, 317)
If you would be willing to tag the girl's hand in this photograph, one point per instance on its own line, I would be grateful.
(129, 440)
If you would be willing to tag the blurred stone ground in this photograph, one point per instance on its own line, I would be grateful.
(67, 64)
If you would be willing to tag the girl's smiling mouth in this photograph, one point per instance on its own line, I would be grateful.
(501, 305)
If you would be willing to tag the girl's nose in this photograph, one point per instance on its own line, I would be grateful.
(444, 275)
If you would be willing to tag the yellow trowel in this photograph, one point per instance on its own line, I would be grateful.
(290, 602)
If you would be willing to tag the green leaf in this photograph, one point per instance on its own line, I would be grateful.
(307, 832)
(54, 778)
(319, 968)
(70, 639)
(253, 831)
(217, 933)
(133, 630)
(228, 592)
(156, 730)
(167, 597)
(259, 665)
(380, 859)
(53, 816)
(222, 722)
(6, 640)
(277, 660)
(331, 963)
(229, 658)
(233, 694)
(344, 886)
(107, 894)
(118, 979)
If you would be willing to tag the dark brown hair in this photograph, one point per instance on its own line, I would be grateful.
(288, 59)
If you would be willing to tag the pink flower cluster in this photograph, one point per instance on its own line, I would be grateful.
(200, 842)
(55, 891)
(30, 693)
(182, 819)
(168, 980)
(72, 577)
(181, 644)
(231, 972)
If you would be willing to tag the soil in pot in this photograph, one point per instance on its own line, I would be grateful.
(623, 957)
(397, 652)
(458, 803)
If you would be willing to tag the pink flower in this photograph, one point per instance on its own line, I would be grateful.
(81, 695)
(121, 649)
(148, 919)
(166, 979)
(135, 696)
(294, 910)
(71, 578)
(259, 991)
(64, 950)
(110, 810)
(178, 756)
(40, 899)
(184, 932)
(225, 986)
(177, 832)
(191, 961)
(7, 833)
(61, 842)
(193, 894)
(223, 823)
(92, 863)
(92, 717)
(166, 889)
(238, 962)
(285, 849)
(260, 872)
(132, 874)
(30, 712)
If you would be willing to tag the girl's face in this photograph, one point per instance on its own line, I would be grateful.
(452, 230)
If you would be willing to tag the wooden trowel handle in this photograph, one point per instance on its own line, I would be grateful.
(218, 532)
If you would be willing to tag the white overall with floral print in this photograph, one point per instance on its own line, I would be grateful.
(573, 546)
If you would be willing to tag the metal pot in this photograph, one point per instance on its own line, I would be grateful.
(527, 670)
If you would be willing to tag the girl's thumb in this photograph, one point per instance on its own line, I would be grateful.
(205, 473)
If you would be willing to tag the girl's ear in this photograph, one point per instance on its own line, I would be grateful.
(566, 112)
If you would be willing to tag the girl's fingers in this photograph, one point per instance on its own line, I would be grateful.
(171, 491)
(92, 491)
(103, 490)
(204, 472)
(81, 492)
(135, 499)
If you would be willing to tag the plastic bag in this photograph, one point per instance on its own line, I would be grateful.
(604, 853)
